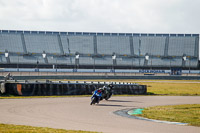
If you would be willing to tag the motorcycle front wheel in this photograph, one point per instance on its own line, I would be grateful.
(93, 101)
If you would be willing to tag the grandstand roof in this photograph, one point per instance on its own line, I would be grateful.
(98, 33)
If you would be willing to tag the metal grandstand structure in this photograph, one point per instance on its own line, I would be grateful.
(45, 49)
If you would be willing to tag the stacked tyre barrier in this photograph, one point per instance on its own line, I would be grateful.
(49, 88)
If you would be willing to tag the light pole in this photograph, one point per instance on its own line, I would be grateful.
(44, 55)
(37, 63)
(146, 59)
(77, 60)
(114, 61)
(94, 65)
(184, 58)
(53, 66)
(132, 63)
(189, 65)
(18, 64)
(56, 65)
(7, 56)
(139, 50)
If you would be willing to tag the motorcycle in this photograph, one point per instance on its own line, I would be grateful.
(96, 97)
(107, 91)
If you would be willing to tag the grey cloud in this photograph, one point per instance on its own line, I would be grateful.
(161, 16)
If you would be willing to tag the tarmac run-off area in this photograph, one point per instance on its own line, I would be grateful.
(76, 113)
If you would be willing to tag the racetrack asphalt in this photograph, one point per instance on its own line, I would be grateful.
(76, 113)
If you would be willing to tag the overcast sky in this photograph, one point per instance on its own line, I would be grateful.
(132, 16)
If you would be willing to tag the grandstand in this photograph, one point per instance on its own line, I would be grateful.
(86, 50)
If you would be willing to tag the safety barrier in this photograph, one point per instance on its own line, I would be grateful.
(48, 88)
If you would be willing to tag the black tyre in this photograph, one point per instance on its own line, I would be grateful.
(93, 101)
(108, 96)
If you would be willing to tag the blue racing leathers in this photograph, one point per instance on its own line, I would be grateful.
(97, 94)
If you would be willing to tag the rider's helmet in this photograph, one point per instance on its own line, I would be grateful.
(99, 90)
(104, 88)
(110, 85)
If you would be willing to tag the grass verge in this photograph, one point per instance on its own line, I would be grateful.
(188, 113)
(172, 89)
(9, 128)
(165, 87)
